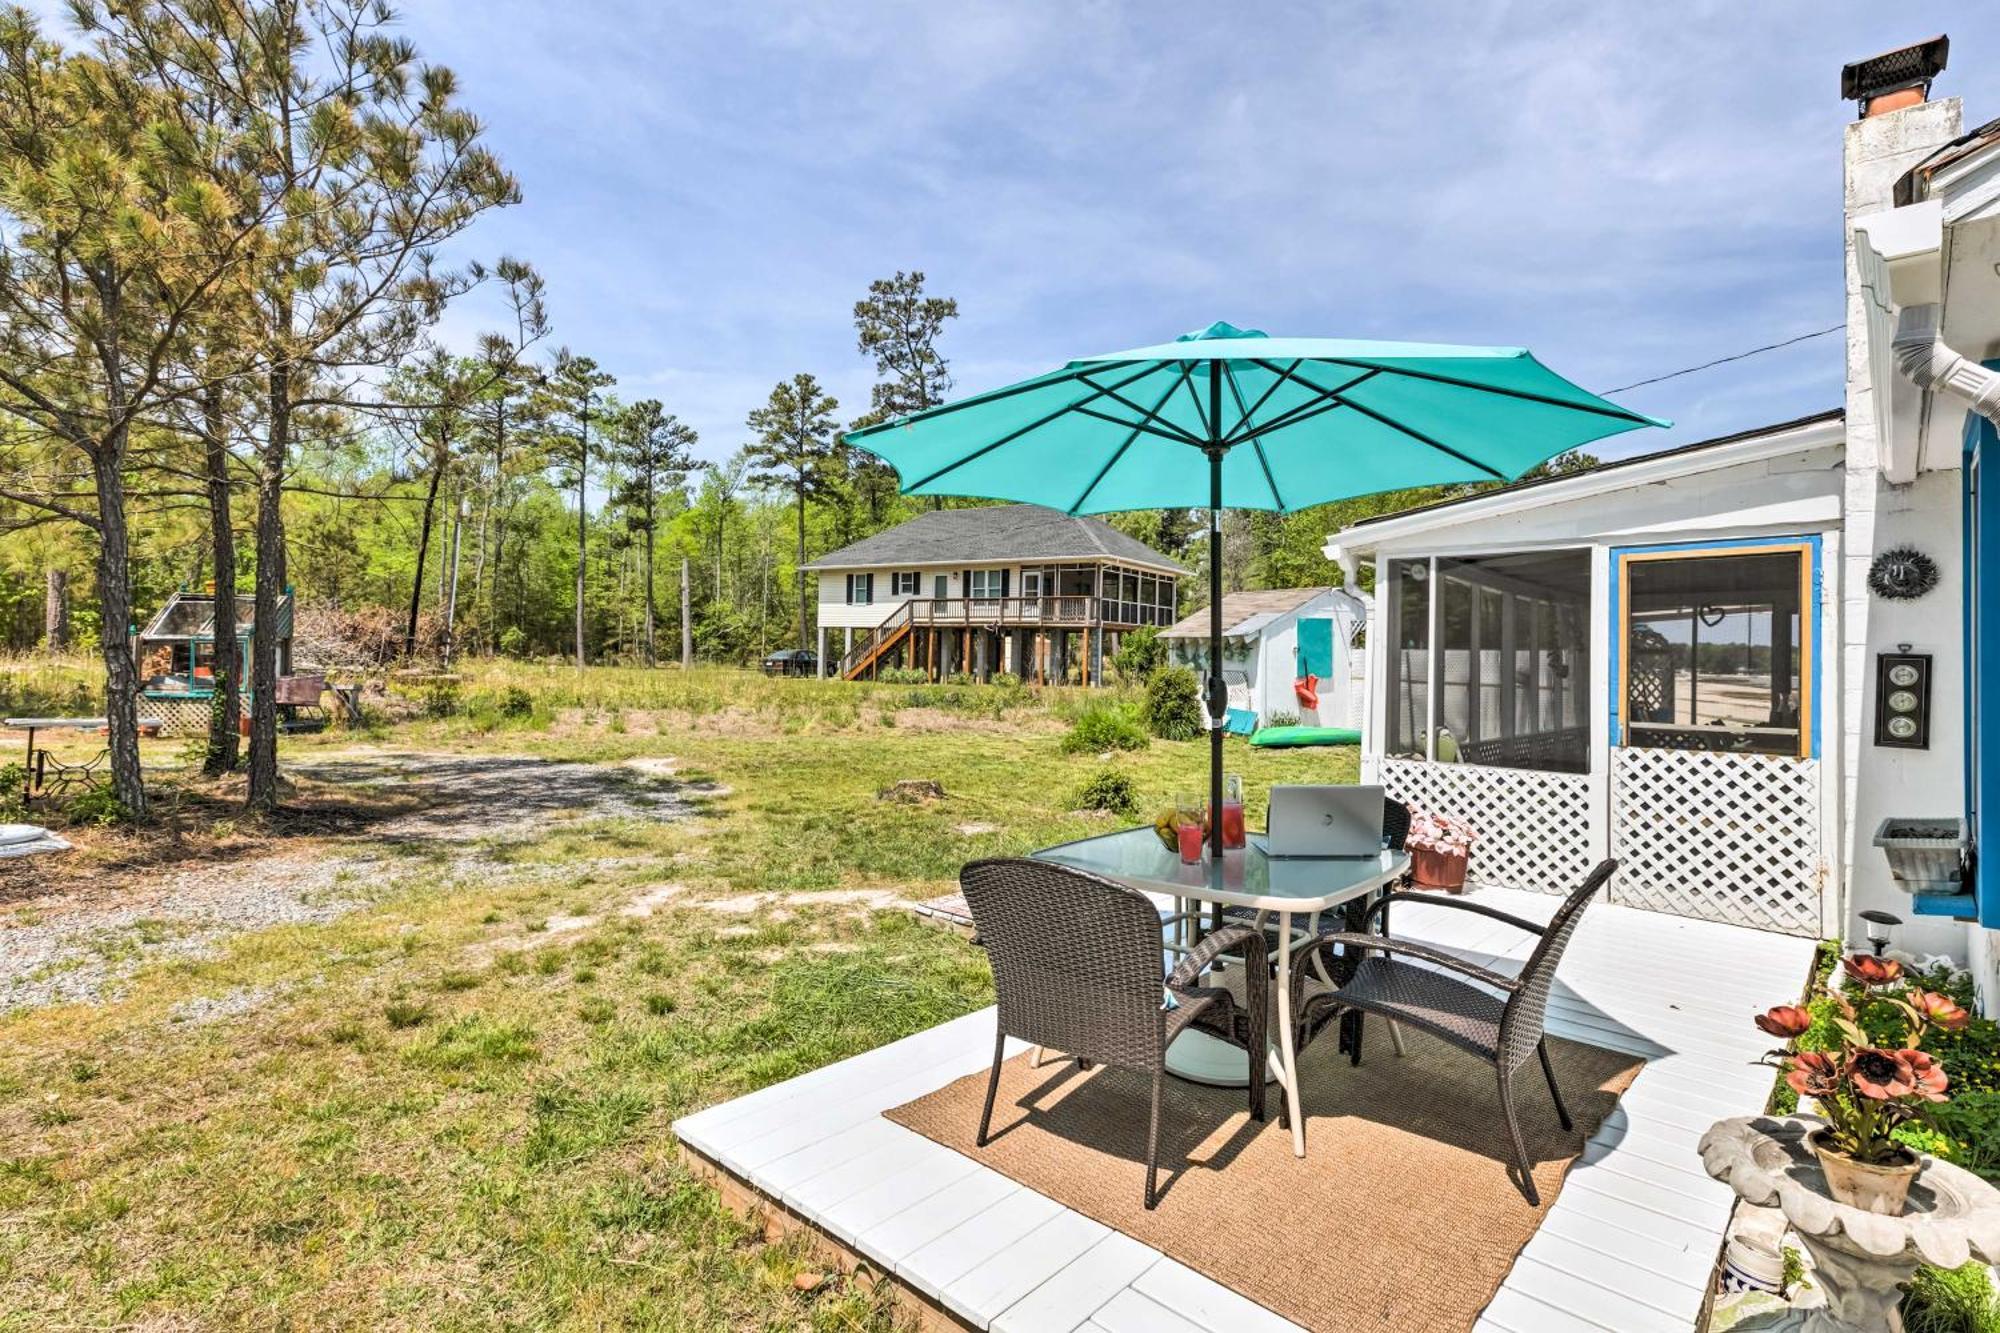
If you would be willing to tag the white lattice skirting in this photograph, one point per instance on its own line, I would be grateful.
(1726, 837)
(1534, 827)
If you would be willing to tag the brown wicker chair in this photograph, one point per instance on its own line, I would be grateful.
(1505, 1029)
(1077, 968)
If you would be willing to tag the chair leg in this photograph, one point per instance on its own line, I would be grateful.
(1354, 1036)
(992, 1084)
(1153, 1145)
(1520, 1147)
(1396, 1037)
(1549, 1073)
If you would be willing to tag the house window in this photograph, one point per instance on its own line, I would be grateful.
(988, 584)
(860, 589)
(1716, 648)
(1504, 678)
(904, 583)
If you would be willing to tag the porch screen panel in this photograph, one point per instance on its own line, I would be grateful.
(1512, 664)
(1409, 653)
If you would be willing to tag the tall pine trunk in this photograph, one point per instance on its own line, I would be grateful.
(55, 610)
(423, 553)
(687, 621)
(799, 570)
(263, 783)
(652, 659)
(582, 525)
(223, 746)
(114, 596)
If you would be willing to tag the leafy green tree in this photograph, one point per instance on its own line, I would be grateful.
(795, 451)
(653, 449)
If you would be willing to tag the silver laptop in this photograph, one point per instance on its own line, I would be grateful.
(1325, 821)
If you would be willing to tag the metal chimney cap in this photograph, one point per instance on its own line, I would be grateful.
(1911, 66)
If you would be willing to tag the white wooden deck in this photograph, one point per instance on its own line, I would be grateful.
(1628, 1247)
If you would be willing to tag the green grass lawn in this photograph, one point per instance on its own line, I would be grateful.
(450, 1108)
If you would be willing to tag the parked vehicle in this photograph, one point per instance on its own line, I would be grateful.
(792, 662)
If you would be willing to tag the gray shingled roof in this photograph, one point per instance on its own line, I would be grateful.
(994, 532)
(1261, 604)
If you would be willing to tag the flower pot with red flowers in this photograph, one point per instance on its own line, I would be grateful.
(1865, 1091)
(1439, 847)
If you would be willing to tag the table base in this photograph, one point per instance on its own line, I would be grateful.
(1198, 1057)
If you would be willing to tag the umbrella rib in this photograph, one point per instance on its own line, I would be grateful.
(1299, 412)
(1011, 436)
(1413, 433)
(1236, 392)
(1262, 398)
(1187, 368)
(980, 399)
(1184, 437)
(1166, 434)
(1609, 410)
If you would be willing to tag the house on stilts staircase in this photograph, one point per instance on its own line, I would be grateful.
(1016, 588)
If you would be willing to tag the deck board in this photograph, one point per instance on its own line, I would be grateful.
(1629, 1244)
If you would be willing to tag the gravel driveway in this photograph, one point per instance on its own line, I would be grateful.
(56, 949)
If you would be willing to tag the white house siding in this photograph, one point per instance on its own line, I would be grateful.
(1876, 782)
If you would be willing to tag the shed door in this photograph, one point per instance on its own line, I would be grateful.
(1316, 647)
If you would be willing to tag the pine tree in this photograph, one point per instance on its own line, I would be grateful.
(795, 451)
(653, 451)
(899, 327)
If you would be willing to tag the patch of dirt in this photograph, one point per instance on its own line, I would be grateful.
(974, 828)
(746, 904)
(651, 900)
(66, 938)
(928, 721)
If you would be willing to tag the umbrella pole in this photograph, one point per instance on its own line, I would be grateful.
(1218, 693)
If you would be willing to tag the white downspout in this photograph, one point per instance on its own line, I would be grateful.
(1927, 362)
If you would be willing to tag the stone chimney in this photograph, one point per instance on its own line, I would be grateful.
(1898, 127)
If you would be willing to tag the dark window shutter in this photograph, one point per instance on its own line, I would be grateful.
(1006, 579)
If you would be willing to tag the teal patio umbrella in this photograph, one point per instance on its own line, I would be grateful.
(1234, 417)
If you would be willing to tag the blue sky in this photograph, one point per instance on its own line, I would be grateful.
(1627, 188)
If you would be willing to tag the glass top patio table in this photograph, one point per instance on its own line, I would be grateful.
(1249, 877)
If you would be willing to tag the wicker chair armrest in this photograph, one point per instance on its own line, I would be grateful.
(1249, 939)
(1445, 900)
(1412, 949)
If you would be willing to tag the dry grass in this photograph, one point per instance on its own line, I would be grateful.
(450, 1107)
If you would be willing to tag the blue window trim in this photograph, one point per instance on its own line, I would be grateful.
(1812, 544)
(1981, 500)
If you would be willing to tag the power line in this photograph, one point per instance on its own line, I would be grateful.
(1725, 360)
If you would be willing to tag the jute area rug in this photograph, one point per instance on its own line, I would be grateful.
(1403, 1214)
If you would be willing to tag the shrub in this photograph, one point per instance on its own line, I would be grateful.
(99, 806)
(902, 676)
(1951, 1300)
(516, 702)
(1141, 653)
(1173, 705)
(440, 699)
(1109, 789)
(1102, 727)
(1281, 719)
